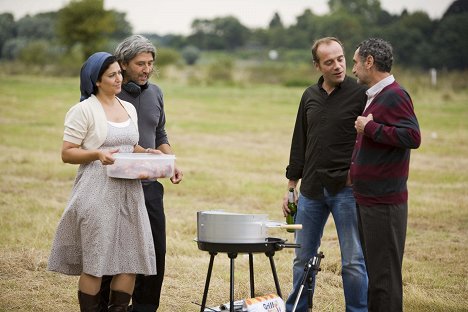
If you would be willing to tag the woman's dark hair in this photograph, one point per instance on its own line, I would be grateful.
(110, 60)
(105, 65)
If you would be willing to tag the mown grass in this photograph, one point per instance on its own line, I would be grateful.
(232, 143)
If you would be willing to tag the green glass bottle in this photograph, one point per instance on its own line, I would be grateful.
(292, 207)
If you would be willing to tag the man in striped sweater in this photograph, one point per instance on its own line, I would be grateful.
(387, 130)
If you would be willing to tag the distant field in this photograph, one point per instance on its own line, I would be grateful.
(233, 145)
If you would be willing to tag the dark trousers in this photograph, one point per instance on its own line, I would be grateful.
(383, 233)
(147, 293)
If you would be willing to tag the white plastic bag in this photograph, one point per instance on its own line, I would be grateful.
(268, 303)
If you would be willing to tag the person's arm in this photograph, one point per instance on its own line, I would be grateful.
(162, 141)
(139, 149)
(165, 148)
(178, 175)
(74, 154)
(298, 143)
(297, 153)
(396, 126)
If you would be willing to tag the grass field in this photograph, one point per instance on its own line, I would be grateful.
(233, 145)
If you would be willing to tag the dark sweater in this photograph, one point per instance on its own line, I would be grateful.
(151, 117)
(381, 156)
(324, 137)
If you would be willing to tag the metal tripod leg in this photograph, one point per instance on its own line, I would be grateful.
(252, 285)
(232, 256)
(273, 270)
(207, 282)
(310, 271)
(305, 279)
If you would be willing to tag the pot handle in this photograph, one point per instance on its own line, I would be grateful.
(272, 224)
(288, 245)
(291, 226)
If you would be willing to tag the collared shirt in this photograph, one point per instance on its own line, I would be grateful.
(373, 91)
(324, 137)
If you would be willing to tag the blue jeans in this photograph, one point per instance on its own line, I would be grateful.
(313, 215)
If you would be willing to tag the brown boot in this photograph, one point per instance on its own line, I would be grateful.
(118, 301)
(88, 303)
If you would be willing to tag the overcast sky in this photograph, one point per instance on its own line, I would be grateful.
(175, 16)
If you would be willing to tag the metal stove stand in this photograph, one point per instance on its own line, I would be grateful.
(269, 247)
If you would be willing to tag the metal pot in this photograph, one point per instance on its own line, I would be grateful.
(227, 227)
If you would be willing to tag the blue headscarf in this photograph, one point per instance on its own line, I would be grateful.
(89, 73)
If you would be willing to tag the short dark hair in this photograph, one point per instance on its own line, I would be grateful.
(318, 42)
(380, 50)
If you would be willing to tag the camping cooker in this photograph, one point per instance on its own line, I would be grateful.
(234, 233)
(235, 228)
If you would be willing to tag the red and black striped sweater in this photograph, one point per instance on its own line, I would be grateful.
(380, 161)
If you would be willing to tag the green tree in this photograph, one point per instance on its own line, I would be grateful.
(384, 18)
(276, 32)
(418, 20)
(85, 23)
(204, 35)
(368, 9)
(304, 32)
(234, 34)
(451, 43)
(217, 34)
(258, 38)
(122, 29)
(457, 7)
(40, 26)
(276, 21)
(347, 27)
(12, 48)
(7, 28)
(410, 37)
(176, 41)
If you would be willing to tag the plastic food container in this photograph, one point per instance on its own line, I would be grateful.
(141, 166)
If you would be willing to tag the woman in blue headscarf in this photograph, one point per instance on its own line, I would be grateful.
(104, 229)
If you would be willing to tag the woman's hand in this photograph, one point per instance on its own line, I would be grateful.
(74, 154)
(105, 156)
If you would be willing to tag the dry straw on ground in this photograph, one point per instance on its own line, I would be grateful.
(233, 144)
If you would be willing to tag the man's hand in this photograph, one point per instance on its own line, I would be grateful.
(361, 122)
(286, 210)
(177, 177)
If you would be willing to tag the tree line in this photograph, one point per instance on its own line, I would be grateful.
(81, 27)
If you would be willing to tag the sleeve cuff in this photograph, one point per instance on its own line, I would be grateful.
(370, 128)
(72, 139)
